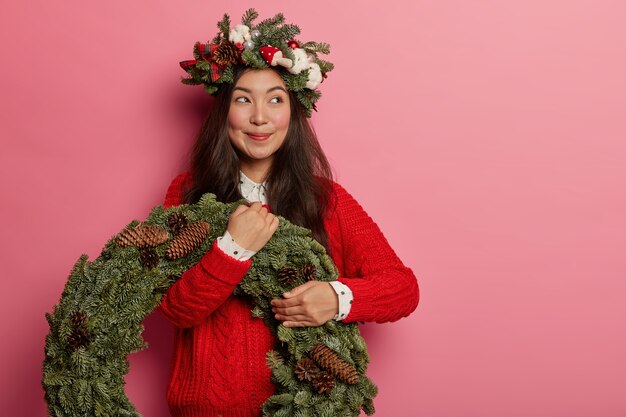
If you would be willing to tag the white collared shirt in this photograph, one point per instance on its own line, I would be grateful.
(254, 192)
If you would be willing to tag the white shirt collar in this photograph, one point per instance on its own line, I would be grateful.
(251, 190)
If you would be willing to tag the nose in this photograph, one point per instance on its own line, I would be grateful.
(258, 116)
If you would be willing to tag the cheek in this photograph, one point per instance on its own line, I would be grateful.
(235, 120)
(282, 119)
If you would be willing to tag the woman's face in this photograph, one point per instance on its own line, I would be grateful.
(258, 118)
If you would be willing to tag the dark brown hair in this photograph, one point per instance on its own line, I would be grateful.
(299, 182)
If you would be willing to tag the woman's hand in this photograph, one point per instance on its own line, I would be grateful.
(251, 227)
(311, 304)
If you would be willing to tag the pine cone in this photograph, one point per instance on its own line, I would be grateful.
(142, 236)
(149, 258)
(323, 382)
(309, 272)
(177, 222)
(226, 54)
(79, 336)
(188, 239)
(306, 370)
(287, 276)
(330, 361)
(78, 318)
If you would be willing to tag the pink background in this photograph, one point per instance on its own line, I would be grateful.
(486, 138)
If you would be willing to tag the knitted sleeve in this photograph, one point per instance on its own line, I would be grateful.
(206, 285)
(384, 288)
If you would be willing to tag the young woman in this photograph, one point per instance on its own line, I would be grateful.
(257, 144)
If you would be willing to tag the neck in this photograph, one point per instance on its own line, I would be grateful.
(256, 172)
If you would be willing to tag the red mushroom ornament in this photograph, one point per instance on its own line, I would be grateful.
(274, 56)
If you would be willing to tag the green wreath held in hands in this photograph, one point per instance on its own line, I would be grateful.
(317, 371)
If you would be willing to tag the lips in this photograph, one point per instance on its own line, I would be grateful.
(258, 136)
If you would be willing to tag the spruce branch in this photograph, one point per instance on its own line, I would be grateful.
(278, 19)
(249, 17)
(224, 27)
(325, 66)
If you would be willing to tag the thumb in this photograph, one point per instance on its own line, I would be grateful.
(298, 290)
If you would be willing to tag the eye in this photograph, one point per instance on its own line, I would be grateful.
(241, 100)
(276, 100)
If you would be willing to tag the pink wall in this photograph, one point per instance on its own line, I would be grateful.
(485, 138)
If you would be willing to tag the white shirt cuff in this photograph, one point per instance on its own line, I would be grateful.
(345, 299)
(228, 245)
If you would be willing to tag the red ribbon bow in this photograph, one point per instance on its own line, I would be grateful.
(216, 71)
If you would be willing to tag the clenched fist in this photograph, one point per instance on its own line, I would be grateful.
(251, 227)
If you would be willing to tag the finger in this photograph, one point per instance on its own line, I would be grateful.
(296, 317)
(260, 210)
(299, 289)
(298, 324)
(257, 206)
(303, 320)
(284, 303)
(269, 220)
(274, 224)
(288, 311)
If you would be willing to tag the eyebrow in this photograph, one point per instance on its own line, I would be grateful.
(247, 90)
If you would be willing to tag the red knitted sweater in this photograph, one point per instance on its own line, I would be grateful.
(218, 366)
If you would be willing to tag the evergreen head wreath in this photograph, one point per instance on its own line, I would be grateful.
(271, 43)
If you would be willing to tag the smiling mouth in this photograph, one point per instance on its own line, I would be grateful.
(258, 136)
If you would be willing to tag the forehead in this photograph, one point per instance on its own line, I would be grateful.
(260, 80)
